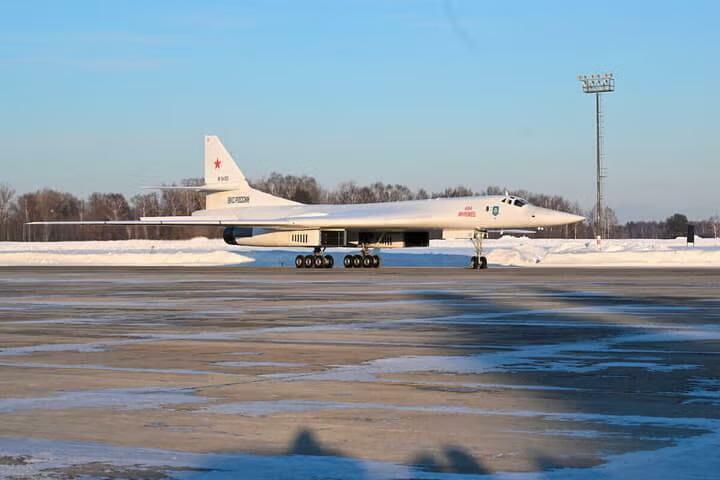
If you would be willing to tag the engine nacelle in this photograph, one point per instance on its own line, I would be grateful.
(232, 234)
(264, 237)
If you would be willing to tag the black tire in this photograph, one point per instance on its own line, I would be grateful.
(329, 261)
(474, 263)
(483, 263)
(348, 261)
(367, 261)
(319, 261)
(309, 261)
(357, 261)
(299, 261)
(376, 261)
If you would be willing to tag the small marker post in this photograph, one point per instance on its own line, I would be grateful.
(691, 235)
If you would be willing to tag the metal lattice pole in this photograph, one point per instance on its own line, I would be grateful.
(598, 158)
(598, 84)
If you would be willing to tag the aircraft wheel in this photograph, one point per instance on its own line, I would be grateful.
(348, 261)
(357, 261)
(299, 261)
(483, 263)
(367, 261)
(375, 261)
(474, 263)
(328, 261)
(319, 261)
(309, 261)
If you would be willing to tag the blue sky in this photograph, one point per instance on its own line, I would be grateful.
(113, 95)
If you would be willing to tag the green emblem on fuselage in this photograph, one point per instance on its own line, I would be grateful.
(496, 210)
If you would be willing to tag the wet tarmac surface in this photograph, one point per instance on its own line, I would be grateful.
(390, 373)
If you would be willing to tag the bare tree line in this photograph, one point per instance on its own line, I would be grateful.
(49, 204)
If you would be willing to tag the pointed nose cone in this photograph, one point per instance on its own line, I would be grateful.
(569, 218)
(550, 218)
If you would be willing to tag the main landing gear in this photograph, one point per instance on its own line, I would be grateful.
(316, 260)
(478, 262)
(364, 260)
(361, 261)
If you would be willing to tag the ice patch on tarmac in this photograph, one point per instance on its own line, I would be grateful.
(576, 366)
(46, 455)
(260, 364)
(120, 399)
(273, 407)
(507, 318)
(90, 347)
(90, 366)
(534, 357)
(704, 390)
(87, 321)
(689, 458)
(487, 386)
(136, 338)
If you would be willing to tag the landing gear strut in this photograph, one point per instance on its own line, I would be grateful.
(478, 262)
(316, 260)
(364, 260)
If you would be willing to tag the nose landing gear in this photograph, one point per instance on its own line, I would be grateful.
(478, 262)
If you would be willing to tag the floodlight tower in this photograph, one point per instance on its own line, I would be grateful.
(597, 84)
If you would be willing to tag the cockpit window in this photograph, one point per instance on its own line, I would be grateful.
(519, 202)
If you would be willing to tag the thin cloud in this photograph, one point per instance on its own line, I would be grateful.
(92, 63)
(457, 28)
(111, 37)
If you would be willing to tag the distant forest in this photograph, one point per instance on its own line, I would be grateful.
(48, 204)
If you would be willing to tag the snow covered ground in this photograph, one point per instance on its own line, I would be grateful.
(506, 251)
(195, 252)
(524, 251)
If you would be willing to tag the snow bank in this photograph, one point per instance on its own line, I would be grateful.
(611, 253)
(508, 251)
(195, 252)
(524, 251)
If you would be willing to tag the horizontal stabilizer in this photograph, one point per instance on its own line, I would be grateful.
(193, 188)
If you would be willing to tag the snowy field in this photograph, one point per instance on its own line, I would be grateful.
(506, 251)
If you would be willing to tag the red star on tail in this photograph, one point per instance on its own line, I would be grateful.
(217, 163)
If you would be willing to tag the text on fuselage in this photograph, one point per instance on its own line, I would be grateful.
(467, 212)
(240, 199)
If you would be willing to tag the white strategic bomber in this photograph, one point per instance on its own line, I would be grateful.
(254, 218)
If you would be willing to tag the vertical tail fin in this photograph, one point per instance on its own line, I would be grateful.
(234, 191)
(220, 168)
